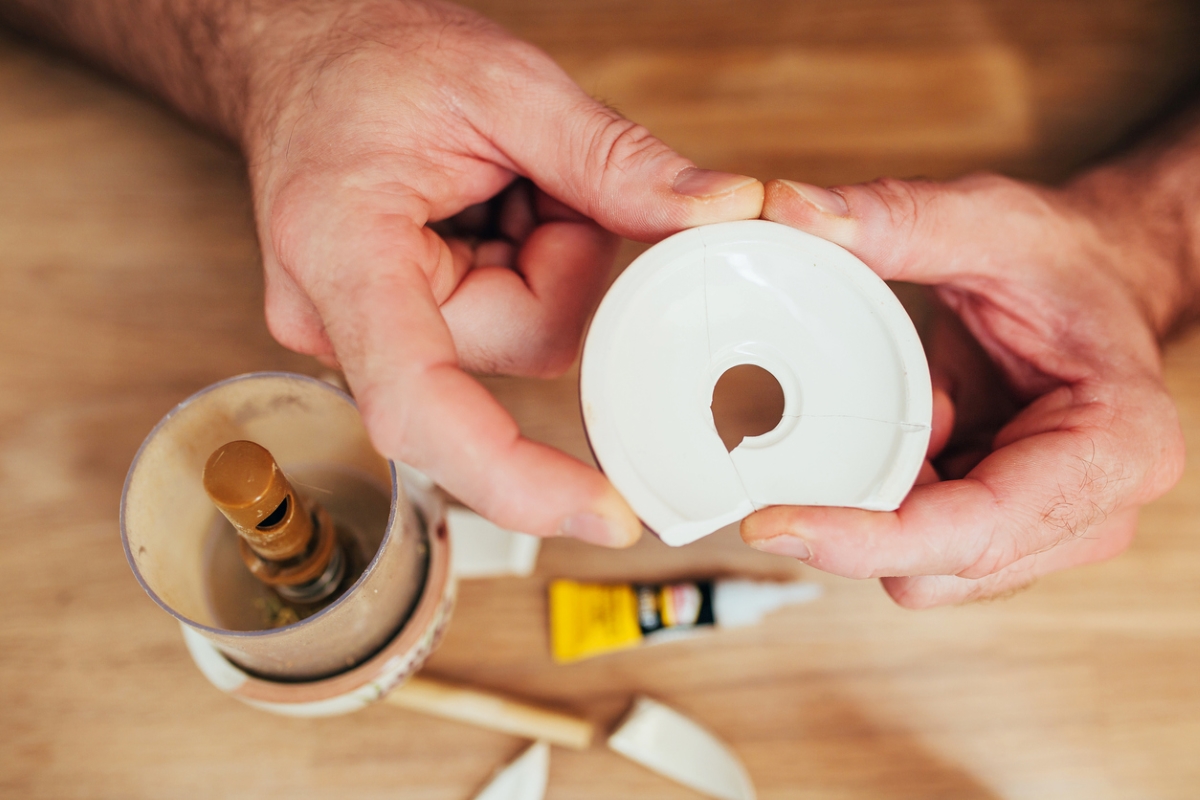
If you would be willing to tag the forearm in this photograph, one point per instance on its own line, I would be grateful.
(194, 54)
(1147, 204)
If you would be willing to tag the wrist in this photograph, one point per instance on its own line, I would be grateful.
(272, 52)
(1141, 240)
(1145, 209)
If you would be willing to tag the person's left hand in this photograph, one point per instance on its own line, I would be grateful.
(1051, 422)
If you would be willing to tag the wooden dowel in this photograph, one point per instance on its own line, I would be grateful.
(492, 711)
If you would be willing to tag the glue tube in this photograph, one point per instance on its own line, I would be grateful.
(589, 619)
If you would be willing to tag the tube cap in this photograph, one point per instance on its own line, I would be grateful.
(738, 603)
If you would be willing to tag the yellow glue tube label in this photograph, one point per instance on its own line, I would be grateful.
(588, 619)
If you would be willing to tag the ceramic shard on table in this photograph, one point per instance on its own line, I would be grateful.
(525, 778)
(677, 747)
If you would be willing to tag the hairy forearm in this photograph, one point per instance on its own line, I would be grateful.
(194, 54)
(230, 65)
(186, 51)
(226, 63)
(1147, 202)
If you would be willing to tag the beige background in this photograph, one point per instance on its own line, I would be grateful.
(129, 279)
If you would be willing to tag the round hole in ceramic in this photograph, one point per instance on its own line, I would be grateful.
(747, 401)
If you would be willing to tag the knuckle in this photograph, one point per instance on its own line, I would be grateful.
(537, 356)
(386, 427)
(287, 224)
(295, 330)
(1101, 480)
(619, 146)
(1077, 508)
(915, 594)
(907, 203)
(1001, 552)
(999, 547)
(291, 319)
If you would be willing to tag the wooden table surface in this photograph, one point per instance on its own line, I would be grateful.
(129, 279)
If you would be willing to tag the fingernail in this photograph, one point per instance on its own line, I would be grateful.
(695, 182)
(591, 528)
(823, 200)
(785, 545)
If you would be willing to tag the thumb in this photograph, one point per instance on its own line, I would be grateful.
(613, 170)
(916, 231)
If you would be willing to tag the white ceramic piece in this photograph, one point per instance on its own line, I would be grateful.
(523, 779)
(663, 740)
(857, 396)
(484, 550)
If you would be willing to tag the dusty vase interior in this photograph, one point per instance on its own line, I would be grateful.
(183, 551)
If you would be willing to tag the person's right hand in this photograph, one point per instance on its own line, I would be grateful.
(368, 121)
(1066, 291)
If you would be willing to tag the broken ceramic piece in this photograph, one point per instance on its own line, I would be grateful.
(482, 549)
(523, 779)
(857, 396)
(664, 741)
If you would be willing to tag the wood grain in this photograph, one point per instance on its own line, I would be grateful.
(129, 279)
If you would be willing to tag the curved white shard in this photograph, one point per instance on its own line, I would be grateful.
(523, 779)
(482, 549)
(663, 740)
(857, 395)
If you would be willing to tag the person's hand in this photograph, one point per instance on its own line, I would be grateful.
(369, 122)
(1041, 455)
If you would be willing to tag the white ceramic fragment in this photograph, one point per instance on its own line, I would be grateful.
(484, 550)
(663, 740)
(857, 396)
(523, 779)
